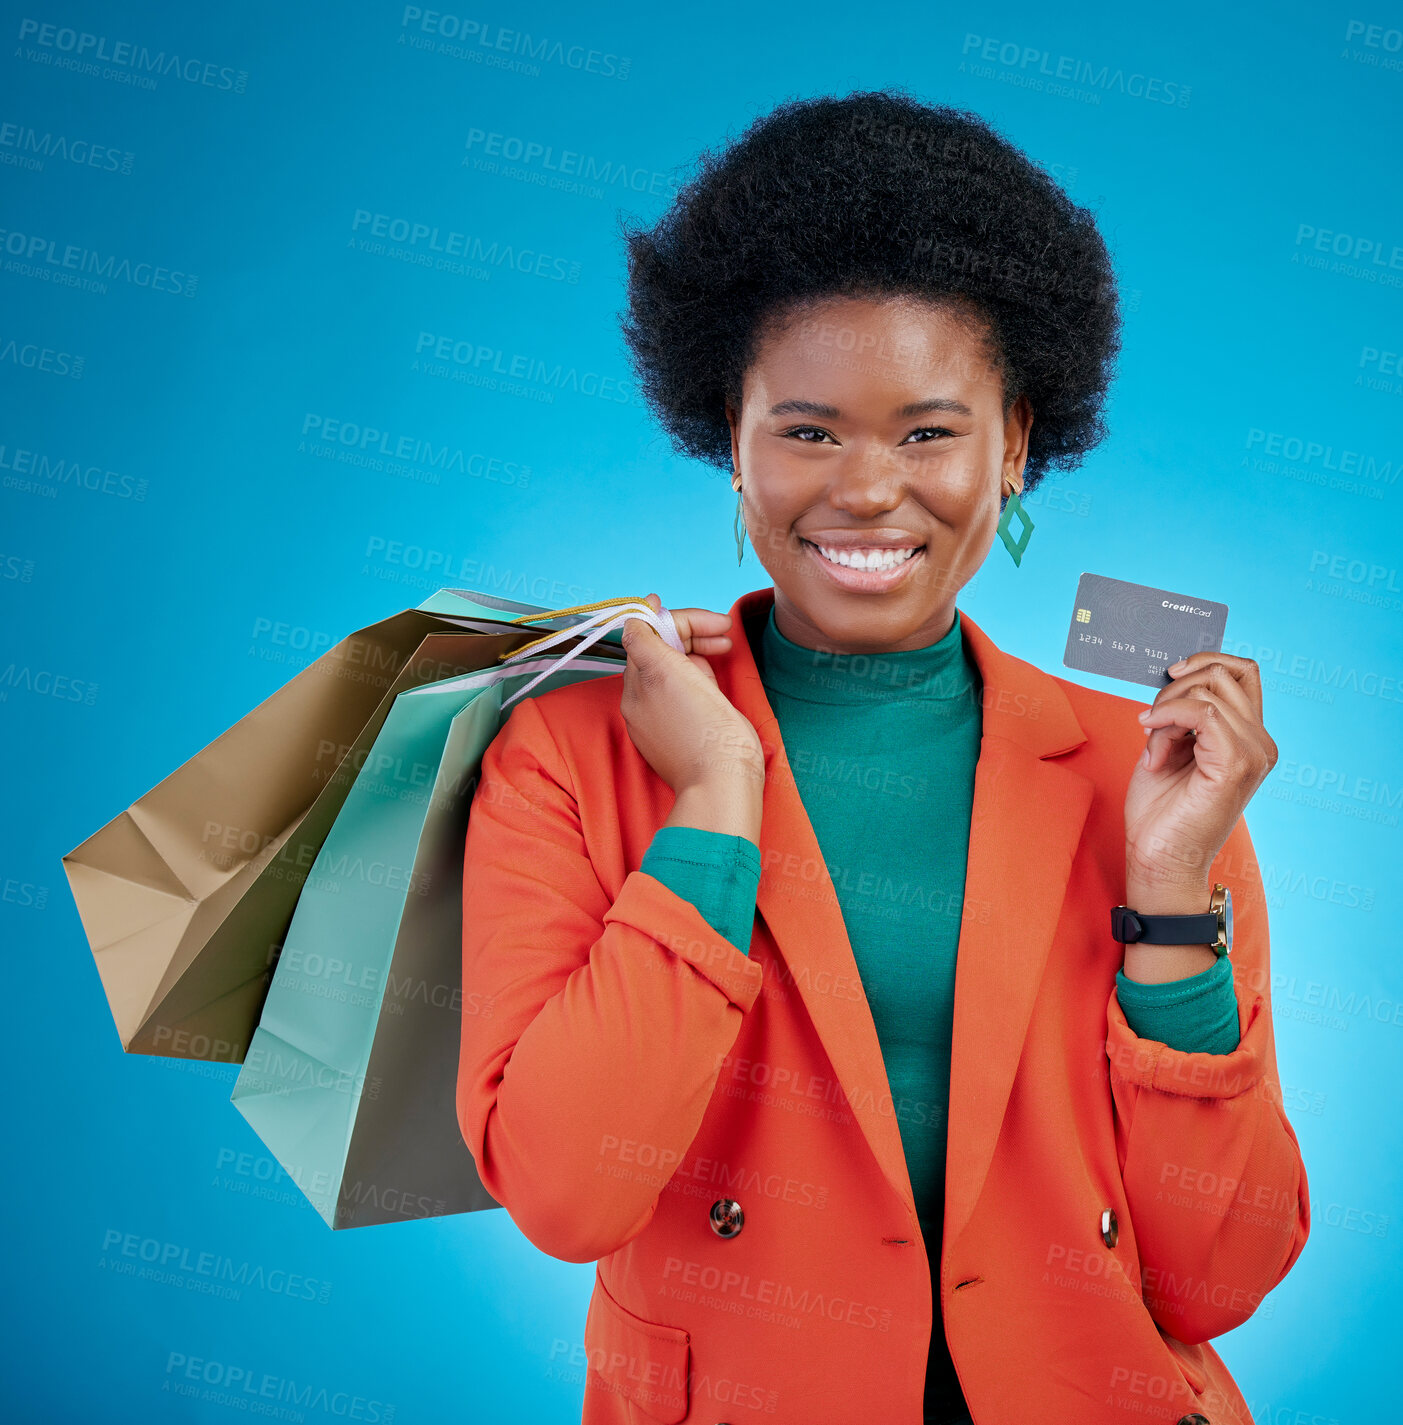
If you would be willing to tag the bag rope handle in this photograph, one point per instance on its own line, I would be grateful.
(560, 613)
(608, 612)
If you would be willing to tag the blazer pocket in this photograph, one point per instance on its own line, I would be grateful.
(643, 1361)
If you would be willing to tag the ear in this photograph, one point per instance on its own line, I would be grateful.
(733, 420)
(1017, 425)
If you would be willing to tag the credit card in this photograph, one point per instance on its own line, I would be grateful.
(1133, 632)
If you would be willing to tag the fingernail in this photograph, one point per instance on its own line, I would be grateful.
(1142, 715)
(1179, 664)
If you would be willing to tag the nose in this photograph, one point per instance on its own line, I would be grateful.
(866, 481)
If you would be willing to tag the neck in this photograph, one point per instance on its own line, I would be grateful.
(940, 671)
(802, 631)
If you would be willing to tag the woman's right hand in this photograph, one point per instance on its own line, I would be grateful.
(684, 726)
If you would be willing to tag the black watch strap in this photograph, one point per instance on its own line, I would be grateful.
(1129, 926)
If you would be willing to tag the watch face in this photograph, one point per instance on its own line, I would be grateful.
(1227, 916)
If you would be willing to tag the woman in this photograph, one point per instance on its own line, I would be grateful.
(807, 1022)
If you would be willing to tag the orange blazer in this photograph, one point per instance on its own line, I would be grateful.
(716, 1130)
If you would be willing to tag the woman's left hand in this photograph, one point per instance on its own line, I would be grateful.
(1207, 754)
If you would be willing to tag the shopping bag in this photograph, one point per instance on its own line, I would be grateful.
(350, 1079)
(185, 897)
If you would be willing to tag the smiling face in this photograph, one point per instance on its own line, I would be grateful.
(869, 429)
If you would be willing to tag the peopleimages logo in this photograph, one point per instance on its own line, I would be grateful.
(168, 1262)
(247, 1388)
(467, 355)
(1301, 450)
(56, 470)
(25, 147)
(373, 444)
(1072, 69)
(429, 238)
(465, 38)
(567, 163)
(80, 45)
(36, 255)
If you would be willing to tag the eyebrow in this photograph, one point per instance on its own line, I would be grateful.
(916, 408)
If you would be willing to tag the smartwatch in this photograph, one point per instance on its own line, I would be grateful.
(1213, 927)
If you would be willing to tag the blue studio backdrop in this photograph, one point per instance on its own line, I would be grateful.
(262, 265)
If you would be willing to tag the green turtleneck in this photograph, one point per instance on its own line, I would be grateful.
(883, 751)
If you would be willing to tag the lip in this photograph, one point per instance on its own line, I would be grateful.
(865, 581)
(889, 538)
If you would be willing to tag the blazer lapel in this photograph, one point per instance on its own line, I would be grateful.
(1026, 823)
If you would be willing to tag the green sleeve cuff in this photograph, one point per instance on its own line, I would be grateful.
(1197, 1014)
(718, 873)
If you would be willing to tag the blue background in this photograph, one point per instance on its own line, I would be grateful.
(233, 536)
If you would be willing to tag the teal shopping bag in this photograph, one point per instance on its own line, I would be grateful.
(350, 1078)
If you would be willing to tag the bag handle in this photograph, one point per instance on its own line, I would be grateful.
(606, 614)
(559, 613)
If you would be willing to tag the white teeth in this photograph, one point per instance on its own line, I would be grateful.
(866, 559)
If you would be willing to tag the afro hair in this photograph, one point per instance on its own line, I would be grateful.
(873, 194)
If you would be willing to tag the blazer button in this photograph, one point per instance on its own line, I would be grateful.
(1110, 1230)
(726, 1217)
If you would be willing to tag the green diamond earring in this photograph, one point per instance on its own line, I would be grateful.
(1013, 509)
(738, 523)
